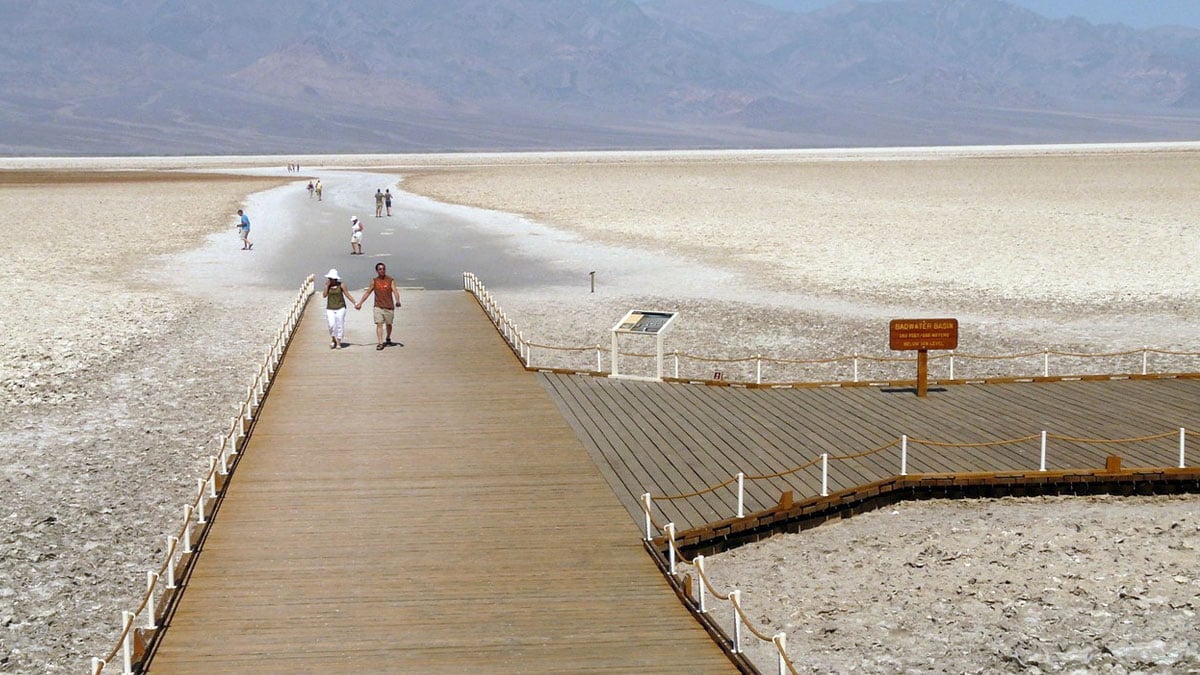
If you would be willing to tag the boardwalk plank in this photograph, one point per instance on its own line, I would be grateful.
(423, 509)
(777, 429)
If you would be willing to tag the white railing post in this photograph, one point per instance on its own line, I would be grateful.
(780, 641)
(200, 499)
(741, 483)
(172, 543)
(699, 562)
(1145, 349)
(151, 579)
(127, 643)
(1045, 363)
(904, 455)
(1042, 466)
(952, 364)
(824, 474)
(758, 369)
(856, 366)
(735, 598)
(1182, 436)
(233, 435)
(212, 478)
(187, 528)
(675, 354)
(599, 360)
(646, 501)
(670, 528)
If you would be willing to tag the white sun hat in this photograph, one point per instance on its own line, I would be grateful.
(354, 219)
(332, 274)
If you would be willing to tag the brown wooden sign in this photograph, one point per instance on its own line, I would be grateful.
(923, 334)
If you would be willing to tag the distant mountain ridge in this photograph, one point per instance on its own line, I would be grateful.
(249, 76)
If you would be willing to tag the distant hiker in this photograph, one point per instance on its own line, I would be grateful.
(317, 187)
(387, 201)
(243, 226)
(378, 203)
(310, 189)
(356, 236)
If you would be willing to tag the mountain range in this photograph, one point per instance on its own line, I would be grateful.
(171, 77)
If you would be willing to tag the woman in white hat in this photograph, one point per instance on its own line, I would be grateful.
(356, 230)
(336, 296)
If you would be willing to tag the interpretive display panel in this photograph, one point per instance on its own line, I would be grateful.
(641, 321)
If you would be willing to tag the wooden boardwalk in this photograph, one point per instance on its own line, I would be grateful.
(671, 439)
(418, 510)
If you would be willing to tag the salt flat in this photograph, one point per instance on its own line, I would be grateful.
(140, 330)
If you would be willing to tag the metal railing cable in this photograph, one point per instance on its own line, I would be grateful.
(524, 349)
(163, 584)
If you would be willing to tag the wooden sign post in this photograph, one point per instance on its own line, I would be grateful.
(923, 335)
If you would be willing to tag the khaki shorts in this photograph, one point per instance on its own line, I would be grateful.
(384, 315)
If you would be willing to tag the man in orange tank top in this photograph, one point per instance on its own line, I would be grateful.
(387, 299)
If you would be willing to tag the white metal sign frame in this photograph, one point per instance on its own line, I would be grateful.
(642, 322)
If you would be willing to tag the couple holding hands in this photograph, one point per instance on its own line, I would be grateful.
(387, 299)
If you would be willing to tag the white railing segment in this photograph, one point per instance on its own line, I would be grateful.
(753, 369)
(163, 584)
(704, 588)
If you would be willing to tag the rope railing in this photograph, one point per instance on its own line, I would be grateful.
(824, 460)
(734, 597)
(524, 350)
(786, 373)
(162, 585)
(779, 640)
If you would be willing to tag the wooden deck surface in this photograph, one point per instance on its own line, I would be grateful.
(671, 439)
(423, 509)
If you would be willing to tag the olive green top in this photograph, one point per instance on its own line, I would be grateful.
(335, 299)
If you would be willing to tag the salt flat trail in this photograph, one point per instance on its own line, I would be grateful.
(425, 508)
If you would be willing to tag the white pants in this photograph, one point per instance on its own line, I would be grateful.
(337, 322)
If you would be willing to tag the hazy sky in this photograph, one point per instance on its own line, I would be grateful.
(1136, 13)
